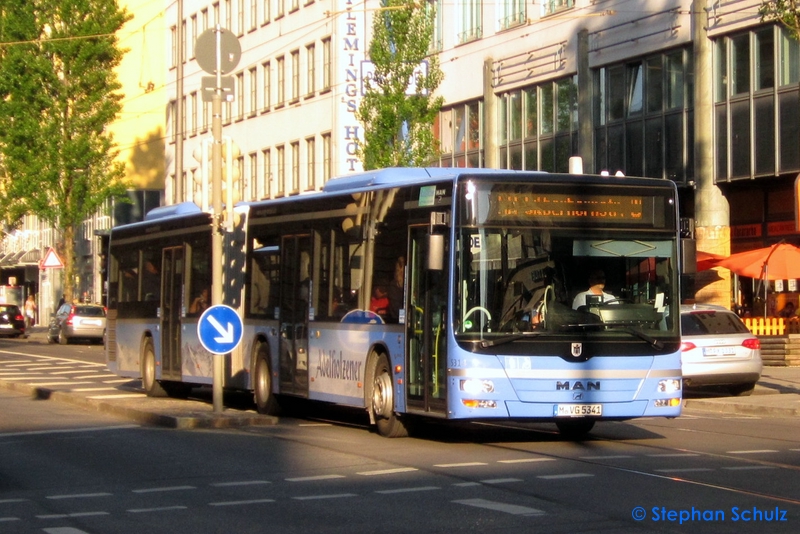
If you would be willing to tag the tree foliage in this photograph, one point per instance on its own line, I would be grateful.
(398, 123)
(787, 12)
(58, 92)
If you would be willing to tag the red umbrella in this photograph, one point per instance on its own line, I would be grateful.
(778, 262)
(707, 260)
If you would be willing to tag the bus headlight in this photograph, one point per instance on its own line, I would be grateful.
(475, 386)
(670, 385)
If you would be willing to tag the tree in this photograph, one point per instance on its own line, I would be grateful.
(397, 121)
(58, 92)
(787, 12)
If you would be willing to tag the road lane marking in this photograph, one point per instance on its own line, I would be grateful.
(609, 457)
(87, 390)
(568, 475)
(241, 503)
(500, 480)
(465, 464)
(64, 530)
(756, 451)
(312, 478)
(165, 488)
(526, 460)
(501, 507)
(408, 490)
(387, 471)
(239, 483)
(749, 467)
(67, 430)
(162, 509)
(9, 519)
(684, 470)
(78, 496)
(329, 496)
(673, 455)
(11, 501)
(73, 383)
(466, 484)
(75, 514)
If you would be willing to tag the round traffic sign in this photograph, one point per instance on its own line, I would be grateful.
(219, 329)
(205, 49)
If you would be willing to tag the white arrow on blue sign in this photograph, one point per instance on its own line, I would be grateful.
(219, 329)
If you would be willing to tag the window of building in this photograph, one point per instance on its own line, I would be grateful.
(204, 120)
(280, 174)
(193, 36)
(295, 58)
(252, 85)
(460, 133)
(173, 32)
(512, 13)
(240, 100)
(437, 44)
(266, 11)
(468, 26)
(253, 15)
(311, 73)
(240, 13)
(253, 182)
(327, 159)
(311, 161)
(281, 95)
(756, 127)
(327, 64)
(267, 85)
(193, 113)
(228, 14)
(265, 190)
(204, 19)
(553, 6)
(643, 117)
(295, 148)
(538, 126)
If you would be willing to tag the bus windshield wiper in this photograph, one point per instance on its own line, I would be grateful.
(655, 343)
(507, 339)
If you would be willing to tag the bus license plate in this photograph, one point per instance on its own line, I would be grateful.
(577, 410)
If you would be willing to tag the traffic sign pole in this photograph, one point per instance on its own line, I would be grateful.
(218, 52)
(216, 202)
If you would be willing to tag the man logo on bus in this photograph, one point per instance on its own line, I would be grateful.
(577, 349)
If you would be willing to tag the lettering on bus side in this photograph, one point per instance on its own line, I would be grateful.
(578, 385)
(336, 367)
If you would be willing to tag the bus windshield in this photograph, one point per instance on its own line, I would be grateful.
(562, 262)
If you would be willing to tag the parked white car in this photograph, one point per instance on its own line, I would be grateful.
(718, 350)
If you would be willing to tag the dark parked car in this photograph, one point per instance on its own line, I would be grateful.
(77, 321)
(12, 323)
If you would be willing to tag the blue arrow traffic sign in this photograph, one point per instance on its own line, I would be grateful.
(219, 329)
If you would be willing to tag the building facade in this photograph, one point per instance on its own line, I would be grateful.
(702, 93)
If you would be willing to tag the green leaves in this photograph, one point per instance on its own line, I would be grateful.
(58, 92)
(399, 109)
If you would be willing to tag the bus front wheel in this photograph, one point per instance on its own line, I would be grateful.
(262, 383)
(388, 423)
(149, 382)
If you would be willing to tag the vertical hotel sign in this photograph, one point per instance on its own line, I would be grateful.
(351, 25)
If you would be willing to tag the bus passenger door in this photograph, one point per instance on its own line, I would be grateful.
(294, 307)
(171, 302)
(427, 338)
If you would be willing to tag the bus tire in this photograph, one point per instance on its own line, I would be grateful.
(264, 398)
(149, 383)
(382, 400)
(575, 429)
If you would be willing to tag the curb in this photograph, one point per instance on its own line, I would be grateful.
(747, 408)
(192, 415)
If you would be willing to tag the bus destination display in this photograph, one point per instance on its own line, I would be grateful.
(572, 208)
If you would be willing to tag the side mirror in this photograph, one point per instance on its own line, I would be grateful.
(435, 252)
(688, 256)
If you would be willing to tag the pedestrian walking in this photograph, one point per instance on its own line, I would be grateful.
(30, 311)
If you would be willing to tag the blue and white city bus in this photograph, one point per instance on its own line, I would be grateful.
(421, 293)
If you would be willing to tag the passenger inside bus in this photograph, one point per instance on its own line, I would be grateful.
(200, 303)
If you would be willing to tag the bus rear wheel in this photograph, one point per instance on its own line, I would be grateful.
(265, 400)
(388, 423)
(149, 383)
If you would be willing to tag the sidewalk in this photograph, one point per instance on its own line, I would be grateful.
(776, 394)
